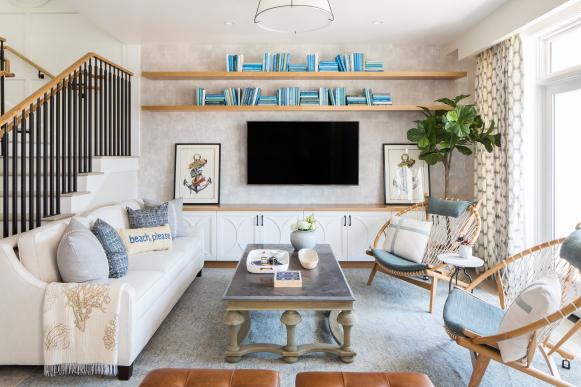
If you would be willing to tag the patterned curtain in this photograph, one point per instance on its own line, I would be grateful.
(499, 177)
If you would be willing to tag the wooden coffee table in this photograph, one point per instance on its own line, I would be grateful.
(324, 289)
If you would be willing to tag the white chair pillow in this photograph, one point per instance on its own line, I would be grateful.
(140, 240)
(539, 299)
(407, 238)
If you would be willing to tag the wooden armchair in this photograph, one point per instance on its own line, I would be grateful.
(473, 323)
(447, 227)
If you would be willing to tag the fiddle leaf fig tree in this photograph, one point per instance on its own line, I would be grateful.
(443, 131)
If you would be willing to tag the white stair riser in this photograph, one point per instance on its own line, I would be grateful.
(69, 204)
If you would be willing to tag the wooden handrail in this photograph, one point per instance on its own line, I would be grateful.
(29, 61)
(46, 89)
(2, 39)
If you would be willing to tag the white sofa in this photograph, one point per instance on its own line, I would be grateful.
(28, 263)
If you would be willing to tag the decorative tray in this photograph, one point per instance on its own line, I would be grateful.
(267, 261)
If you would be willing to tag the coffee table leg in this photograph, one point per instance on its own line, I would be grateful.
(290, 319)
(347, 319)
(233, 320)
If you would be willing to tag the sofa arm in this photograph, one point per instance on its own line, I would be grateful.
(21, 302)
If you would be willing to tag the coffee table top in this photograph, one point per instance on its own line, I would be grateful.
(326, 282)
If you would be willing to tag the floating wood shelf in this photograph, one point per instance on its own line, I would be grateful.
(327, 75)
(349, 108)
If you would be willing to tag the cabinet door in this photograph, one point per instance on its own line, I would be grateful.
(361, 229)
(333, 231)
(275, 226)
(206, 220)
(235, 230)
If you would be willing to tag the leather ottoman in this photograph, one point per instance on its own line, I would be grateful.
(183, 377)
(362, 379)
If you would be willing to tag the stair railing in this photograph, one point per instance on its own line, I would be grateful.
(49, 139)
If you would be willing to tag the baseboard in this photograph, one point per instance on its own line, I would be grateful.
(232, 265)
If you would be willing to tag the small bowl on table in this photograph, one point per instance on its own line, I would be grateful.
(309, 258)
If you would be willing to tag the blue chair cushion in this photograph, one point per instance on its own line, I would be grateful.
(396, 263)
(451, 208)
(571, 249)
(465, 311)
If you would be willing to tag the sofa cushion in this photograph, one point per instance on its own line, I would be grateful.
(113, 246)
(445, 207)
(148, 285)
(407, 238)
(37, 251)
(148, 216)
(115, 215)
(396, 263)
(571, 249)
(175, 215)
(465, 311)
(140, 240)
(165, 261)
(80, 256)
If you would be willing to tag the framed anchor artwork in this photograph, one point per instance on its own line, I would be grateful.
(197, 173)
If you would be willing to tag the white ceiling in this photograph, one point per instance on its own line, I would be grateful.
(202, 21)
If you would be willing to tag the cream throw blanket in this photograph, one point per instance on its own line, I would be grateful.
(80, 328)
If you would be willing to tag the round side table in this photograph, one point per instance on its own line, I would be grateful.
(459, 263)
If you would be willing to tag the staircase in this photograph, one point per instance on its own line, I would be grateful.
(58, 144)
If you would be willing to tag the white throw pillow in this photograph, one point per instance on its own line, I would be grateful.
(140, 240)
(536, 301)
(407, 238)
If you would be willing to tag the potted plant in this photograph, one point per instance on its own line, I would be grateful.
(303, 235)
(443, 131)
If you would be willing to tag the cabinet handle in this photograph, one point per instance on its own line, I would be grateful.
(262, 220)
(349, 220)
(256, 220)
(344, 220)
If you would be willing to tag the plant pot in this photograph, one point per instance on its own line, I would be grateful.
(303, 239)
(465, 251)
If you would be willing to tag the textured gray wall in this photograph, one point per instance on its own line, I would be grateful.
(160, 131)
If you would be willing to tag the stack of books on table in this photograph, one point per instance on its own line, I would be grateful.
(234, 62)
(373, 66)
(297, 67)
(267, 100)
(337, 96)
(288, 96)
(328, 65)
(275, 62)
(252, 67)
(313, 62)
(215, 99)
(352, 62)
(200, 96)
(323, 96)
(379, 99)
(232, 96)
(250, 96)
(310, 97)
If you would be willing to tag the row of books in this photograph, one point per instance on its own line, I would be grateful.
(280, 62)
(291, 96)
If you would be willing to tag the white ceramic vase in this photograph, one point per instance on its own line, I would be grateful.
(303, 239)
(465, 251)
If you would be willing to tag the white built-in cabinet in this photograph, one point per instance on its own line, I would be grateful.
(226, 233)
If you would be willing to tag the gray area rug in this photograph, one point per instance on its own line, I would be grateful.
(393, 332)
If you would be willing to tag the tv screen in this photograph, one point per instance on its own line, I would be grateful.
(303, 152)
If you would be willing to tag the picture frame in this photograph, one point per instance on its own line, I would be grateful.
(197, 173)
(406, 178)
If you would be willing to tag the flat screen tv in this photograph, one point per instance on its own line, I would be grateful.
(303, 152)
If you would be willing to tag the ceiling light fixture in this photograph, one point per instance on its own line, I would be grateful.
(293, 16)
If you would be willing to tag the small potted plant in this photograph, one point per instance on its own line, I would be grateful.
(303, 235)
(465, 249)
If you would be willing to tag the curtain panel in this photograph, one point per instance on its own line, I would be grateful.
(498, 180)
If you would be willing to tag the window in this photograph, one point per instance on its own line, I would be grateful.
(563, 50)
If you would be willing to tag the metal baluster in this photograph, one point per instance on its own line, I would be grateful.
(101, 109)
(75, 133)
(59, 129)
(15, 175)
(51, 153)
(110, 111)
(23, 172)
(129, 115)
(69, 135)
(91, 103)
(64, 169)
(31, 143)
(124, 112)
(85, 166)
(118, 118)
(5, 188)
(45, 156)
(38, 186)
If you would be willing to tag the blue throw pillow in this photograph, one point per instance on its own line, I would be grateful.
(114, 248)
(451, 208)
(148, 216)
(571, 249)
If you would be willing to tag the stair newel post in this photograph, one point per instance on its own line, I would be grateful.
(45, 142)
(38, 161)
(5, 196)
(23, 172)
(31, 163)
(14, 175)
(51, 154)
(58, 129)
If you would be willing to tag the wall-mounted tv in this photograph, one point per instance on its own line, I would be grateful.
(303, 152)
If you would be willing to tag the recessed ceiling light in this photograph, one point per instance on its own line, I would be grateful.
(228, 23)
(377, 22)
